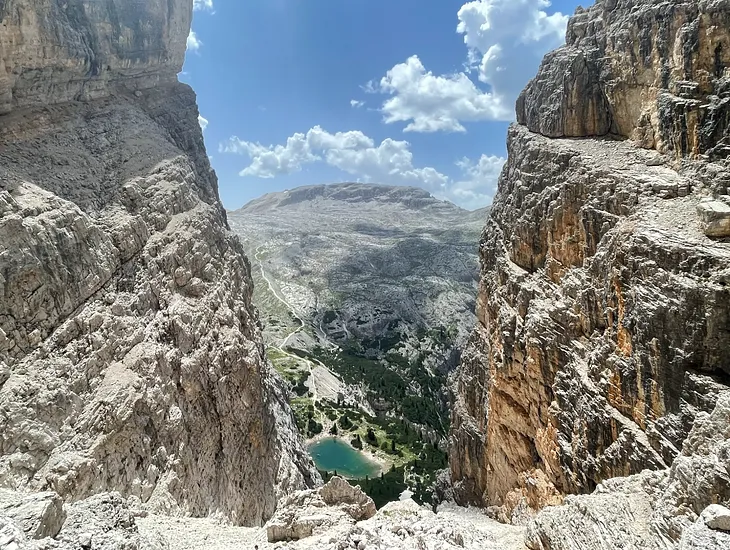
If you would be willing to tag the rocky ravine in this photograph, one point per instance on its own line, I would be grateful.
(603, 339)
(374, 269)
(131, 358)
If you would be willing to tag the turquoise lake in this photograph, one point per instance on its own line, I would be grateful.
(332, 454)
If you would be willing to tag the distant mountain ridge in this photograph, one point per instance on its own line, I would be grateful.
(413, 198)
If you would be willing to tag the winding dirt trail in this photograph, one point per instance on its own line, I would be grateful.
(281, 347)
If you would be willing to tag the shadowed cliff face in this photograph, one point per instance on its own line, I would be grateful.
(604, 304)
(655, 71)
(53, 51)
(131, 357)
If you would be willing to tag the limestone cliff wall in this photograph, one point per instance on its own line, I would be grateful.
(604, 306)
(53, 51)
(130, 353)
(656, 71)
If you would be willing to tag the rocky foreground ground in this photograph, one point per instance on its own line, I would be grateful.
(336, 516)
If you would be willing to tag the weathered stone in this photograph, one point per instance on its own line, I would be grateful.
(338, 492)
(716, 516)
(652, 510)
(40, 514)
(103, 522)
(700, 537)
(119, 371)
(566, 98)
(401, 525)
(306, 513)
(654, 71)
(12, 536)
(716, 218)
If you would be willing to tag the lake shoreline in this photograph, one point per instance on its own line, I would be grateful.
(379, 462)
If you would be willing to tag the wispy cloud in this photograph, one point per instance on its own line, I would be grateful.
(203, 5)
(203, 122)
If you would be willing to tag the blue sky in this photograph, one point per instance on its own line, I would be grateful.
(405, 92)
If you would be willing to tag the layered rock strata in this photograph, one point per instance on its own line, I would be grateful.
(131, 357)
(673, 508)
(604, 304)
(656, 71)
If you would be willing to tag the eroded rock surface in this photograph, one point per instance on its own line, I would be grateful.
(40, 515)
(653, 510)
(656, 71)
(604, 304)
(131, 358)
(305, 513)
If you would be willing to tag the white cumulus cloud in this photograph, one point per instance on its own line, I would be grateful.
(203, 5)
(203, 122)
(506, 39)
(357, 104)
(436, 103)
(353, 152)
(194, 42)
(478, 183)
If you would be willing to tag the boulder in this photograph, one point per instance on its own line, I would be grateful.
(39, 514)
(306, 513)
(715, 216)
(338, 492)
(717, 517)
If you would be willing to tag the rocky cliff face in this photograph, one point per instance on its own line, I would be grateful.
(52, 51)
(130, 354)
(604, 305)
(651, 70)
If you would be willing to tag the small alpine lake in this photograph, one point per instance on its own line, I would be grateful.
(331, 454)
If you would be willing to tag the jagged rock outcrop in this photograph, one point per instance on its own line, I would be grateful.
(305, 513)
(604, 304)
(653, 510)
(339, 517)
(656, 71)
(105, 521)
(40, 515)
(131, 358)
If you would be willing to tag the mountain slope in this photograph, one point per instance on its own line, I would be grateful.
(120, 279)
(602, 348)
(386, 274)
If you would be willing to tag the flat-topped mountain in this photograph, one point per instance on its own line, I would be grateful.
(413, 198)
